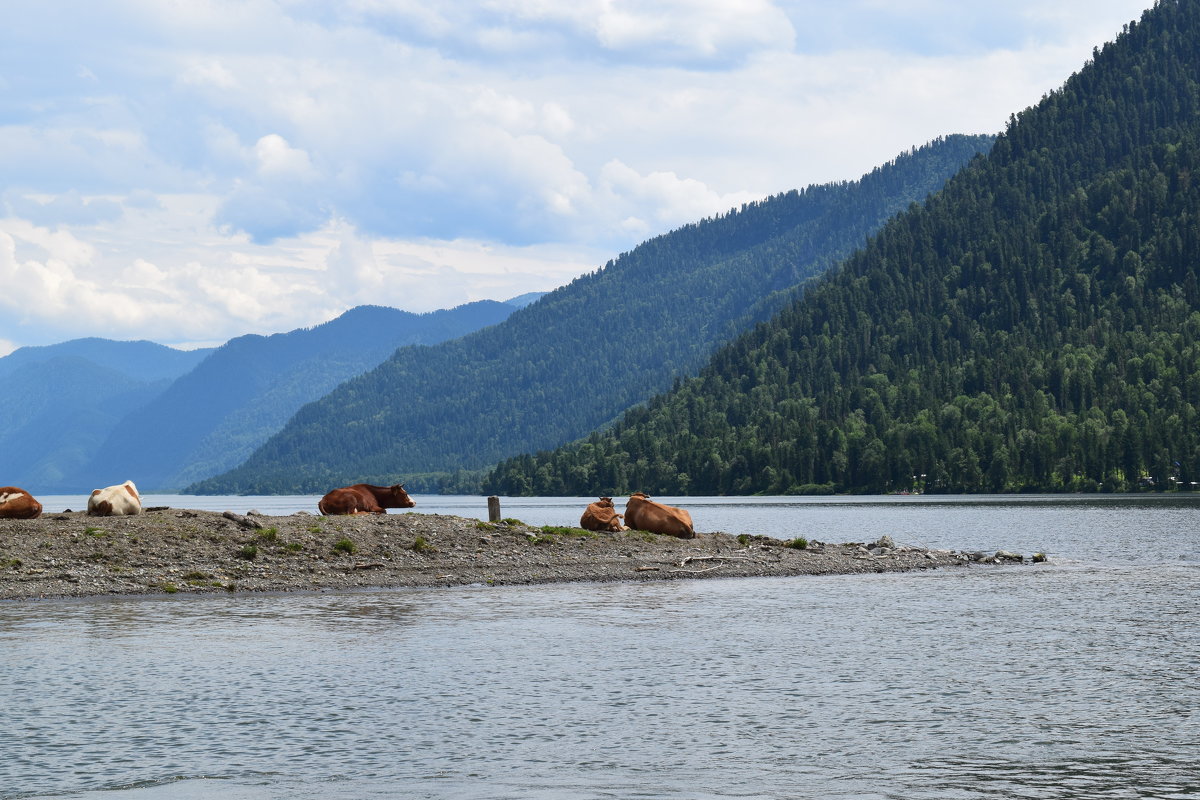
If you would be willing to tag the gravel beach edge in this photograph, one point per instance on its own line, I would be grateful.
(173, 551)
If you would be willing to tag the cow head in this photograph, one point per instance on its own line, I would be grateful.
(399, 497)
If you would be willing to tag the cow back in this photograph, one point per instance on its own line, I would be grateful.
(114, 501)
(644, 514)
(16, 503)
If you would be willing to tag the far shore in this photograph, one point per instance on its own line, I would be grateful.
(175, 551)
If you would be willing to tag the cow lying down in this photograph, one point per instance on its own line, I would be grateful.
(115, 501)
(643, 514)
(364, 498)
(18, 504)
(602, 516)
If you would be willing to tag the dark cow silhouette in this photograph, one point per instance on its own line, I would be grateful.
(363, 498)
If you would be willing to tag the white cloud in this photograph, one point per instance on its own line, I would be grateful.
(703, 30)
(196, 285)
(208, 73)
(672, 200)
(183, 171)
(277, 158)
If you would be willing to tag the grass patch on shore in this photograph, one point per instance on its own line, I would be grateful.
(558, 530)
(799, 543)
(345, 545)
(422, 545)
(249, 552)
(269, 534)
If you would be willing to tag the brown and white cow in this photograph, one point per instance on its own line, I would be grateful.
(602, 516)
(643, 514)
(115, 501)
(18, 504)
(363, 498)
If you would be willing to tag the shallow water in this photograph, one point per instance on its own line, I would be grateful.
(1075, 679)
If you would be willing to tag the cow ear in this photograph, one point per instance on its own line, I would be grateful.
(401, 486)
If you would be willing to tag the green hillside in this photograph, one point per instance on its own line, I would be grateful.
(211, 418)
(585, 353)
(1034, 326)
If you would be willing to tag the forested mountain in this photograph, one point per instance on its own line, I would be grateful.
(58, 402)
(586, 352)
(1034, 326)
(213, 417)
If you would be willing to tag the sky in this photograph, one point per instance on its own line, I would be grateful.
(187, 171)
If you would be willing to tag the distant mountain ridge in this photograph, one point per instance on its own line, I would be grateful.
(1035, 326)
(586, 352)
(140, 360)
(58, 402)
(212, 418)
(91, 412)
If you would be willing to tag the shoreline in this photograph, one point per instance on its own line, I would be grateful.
(185, 551)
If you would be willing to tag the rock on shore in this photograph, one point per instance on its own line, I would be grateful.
(174, 550)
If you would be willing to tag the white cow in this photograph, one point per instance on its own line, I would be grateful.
(115, 500)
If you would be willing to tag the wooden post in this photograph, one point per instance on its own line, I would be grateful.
(493, 509)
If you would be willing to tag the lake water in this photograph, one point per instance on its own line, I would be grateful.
(1075, 679)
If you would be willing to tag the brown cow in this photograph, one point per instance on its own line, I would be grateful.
(18, 504)
(363, 498)
(602, 516)
(643, 514)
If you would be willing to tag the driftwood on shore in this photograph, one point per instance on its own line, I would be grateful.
(173, 551)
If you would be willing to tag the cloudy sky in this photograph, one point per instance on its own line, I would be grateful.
(186, 171)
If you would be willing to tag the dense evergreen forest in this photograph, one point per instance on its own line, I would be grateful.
(585, 353)
(1034, 326)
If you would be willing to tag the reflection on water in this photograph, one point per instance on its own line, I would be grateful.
(1074, 680)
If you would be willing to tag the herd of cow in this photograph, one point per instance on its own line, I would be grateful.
(107, 502)
(641, 513)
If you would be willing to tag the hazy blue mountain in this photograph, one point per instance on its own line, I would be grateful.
(578, 357)
(213, 417)
(141, 360)
(59, 402)
(522, 300)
